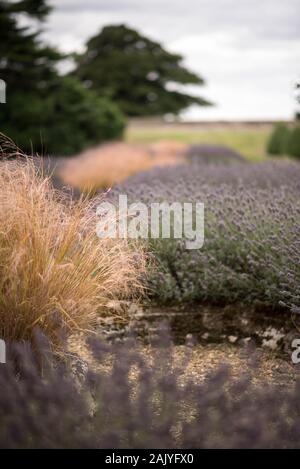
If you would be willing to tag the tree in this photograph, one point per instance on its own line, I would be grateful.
(25, 64)
(135, 72)
(44, 111)
(67, 120)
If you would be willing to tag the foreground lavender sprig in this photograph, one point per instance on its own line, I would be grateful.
(139, 403)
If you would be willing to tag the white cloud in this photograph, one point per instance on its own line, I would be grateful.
(247, 50)
(247, 83)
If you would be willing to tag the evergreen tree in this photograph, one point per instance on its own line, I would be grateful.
(25, 64)
(135, 72)
(45, 112)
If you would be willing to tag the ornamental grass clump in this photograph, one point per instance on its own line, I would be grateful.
(102, 167)
(55, 273)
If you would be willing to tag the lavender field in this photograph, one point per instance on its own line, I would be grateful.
(250, 257)
(251, 249)
(149, 227)
(140, 325)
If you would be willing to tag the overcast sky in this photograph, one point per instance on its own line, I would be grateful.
(248, 51)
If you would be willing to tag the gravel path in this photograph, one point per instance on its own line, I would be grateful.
(262, 366)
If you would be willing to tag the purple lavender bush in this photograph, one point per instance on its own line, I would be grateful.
(213, 154)
(251, 251)
(139, 404)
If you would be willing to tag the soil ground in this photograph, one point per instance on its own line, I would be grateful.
(206, 359)
(252, 358)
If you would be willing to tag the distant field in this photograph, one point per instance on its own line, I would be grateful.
(250, 140)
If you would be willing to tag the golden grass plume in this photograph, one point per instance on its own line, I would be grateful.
(54, 270)
(102, 167)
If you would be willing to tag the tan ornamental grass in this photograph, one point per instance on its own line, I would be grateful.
(55, 273)
(104, 166)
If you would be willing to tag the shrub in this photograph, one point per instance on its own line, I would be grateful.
(54, 271)
(212, 154)
(293, 144)
(133, 403)
(251, 249)
(66, 120)
(277, 144)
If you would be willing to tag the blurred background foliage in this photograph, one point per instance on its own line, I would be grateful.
(46, 112)
(284, 140)
(135, 72)
(121, 73)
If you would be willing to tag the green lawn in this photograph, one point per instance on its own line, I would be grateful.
(250, 142)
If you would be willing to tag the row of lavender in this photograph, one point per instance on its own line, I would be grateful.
(251, 251)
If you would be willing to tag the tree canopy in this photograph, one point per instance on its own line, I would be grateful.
(44, 111)
(136, 72)
(25, 64)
